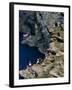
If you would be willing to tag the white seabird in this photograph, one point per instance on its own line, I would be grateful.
(46, 56)
(30, 63)
(25, 35)
(59, 24)
(37, 61)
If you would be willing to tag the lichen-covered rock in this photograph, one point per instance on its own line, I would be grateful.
(28, 73)
(38, 69)
(59, 53)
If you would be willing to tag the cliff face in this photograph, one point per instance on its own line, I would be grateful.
(36, 25)
(48, 36)
(53, 64)
(27, 18)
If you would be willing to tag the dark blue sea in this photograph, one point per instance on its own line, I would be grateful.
(27, 53)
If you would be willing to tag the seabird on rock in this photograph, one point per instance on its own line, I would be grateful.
(37, 61)
(25, 35)
(46, 56)
(30, 63)
(59, 24)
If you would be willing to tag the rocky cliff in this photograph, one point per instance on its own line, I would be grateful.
(36, 26)
(53, 64)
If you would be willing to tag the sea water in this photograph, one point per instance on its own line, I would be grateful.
(27, 54)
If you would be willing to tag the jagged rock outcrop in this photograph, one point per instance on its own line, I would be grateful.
(53, 64)
(37, 25)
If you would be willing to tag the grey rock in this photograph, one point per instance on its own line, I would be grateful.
(40, 38)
